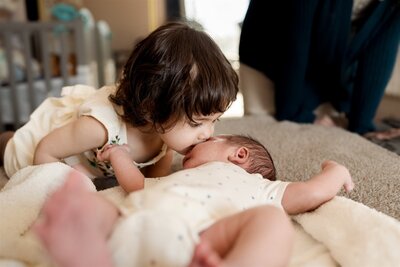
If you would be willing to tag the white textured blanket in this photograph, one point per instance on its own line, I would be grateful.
(341, 232)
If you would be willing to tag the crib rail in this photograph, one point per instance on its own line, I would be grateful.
(36, 40)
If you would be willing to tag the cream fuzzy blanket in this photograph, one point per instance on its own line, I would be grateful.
(340, 232)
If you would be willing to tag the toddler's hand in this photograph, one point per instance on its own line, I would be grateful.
(106, 153)
(342, 172)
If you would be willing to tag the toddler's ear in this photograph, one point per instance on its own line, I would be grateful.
(240, 156)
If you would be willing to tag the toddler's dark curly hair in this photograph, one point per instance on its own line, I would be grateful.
(175, 73)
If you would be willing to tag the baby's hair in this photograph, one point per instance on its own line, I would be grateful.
(260, 160)
(176, 72)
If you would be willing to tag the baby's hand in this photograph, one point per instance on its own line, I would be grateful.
(106, 153)
(341, 171)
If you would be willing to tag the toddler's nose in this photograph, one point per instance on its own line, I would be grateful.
(204, 136)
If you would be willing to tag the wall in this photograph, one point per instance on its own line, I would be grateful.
(129, 20)
(393, 87)
(390, 104)
(12, 11)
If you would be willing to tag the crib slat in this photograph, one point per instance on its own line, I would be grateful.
(12, 78)
(45, 59)
(29, 72)
(77, 30)
(99, 56)
(64, 56)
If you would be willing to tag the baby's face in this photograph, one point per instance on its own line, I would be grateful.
(214, 149)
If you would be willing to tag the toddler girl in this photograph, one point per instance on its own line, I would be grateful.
(175, 85)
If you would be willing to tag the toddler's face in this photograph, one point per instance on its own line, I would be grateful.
(184, 135)
(214, 149)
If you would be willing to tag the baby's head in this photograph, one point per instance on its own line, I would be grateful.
(241, 150)
(175, 74)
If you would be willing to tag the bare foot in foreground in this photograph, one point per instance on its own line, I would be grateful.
(72, 227)
(205, 256)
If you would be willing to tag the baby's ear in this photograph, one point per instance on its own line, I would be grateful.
(240, 155)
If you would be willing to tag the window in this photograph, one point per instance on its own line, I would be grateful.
(221, 20)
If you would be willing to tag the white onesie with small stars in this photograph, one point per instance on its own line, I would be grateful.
(160, 224)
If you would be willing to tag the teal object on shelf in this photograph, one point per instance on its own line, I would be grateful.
(64, 12)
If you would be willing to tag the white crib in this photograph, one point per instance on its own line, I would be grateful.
(38, 58)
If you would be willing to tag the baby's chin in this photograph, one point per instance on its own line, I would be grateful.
(185, 167)
(188, 165)
(185, 163)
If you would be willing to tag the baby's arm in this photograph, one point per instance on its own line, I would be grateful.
(129, 177)
(308, 195)
(74, 138)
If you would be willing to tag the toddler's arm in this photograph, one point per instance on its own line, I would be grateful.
(308, 195)
(128, 175)
(74, 138)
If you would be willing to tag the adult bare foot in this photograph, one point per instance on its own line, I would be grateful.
(325, 120)
(72, 226)
(205, 256)
(384, 135)
(338, 120)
